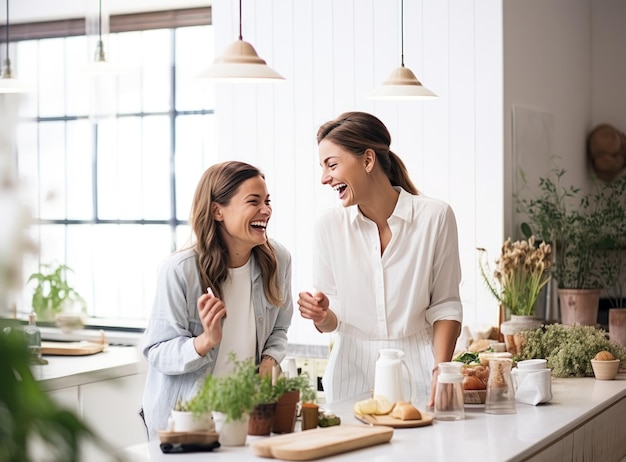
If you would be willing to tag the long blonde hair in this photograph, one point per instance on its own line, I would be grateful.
(358, 131)
(218, 185)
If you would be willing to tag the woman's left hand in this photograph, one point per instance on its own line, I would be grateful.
(267, 366)
(433, 388)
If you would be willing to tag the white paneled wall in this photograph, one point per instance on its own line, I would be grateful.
(333, 53)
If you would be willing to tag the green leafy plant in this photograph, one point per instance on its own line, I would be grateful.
(26, 410)
(52, 290)
(234, 394)
(301, 383)
(579, 228)
(568, 349)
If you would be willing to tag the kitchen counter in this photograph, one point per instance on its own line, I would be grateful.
(586, 420)
(68, 371)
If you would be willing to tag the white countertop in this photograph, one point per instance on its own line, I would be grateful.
(68, 371)
(480, 437)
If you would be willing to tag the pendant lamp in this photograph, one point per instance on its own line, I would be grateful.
(402, 83)
(8, 83)
(240, 63)
(100, 65)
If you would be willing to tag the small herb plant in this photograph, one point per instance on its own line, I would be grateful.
(52, 290)
(301, 383)
(569, 349)
(234, 394)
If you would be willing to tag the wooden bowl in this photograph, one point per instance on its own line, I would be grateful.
(605, 370)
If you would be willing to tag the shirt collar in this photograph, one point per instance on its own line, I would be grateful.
(403, 209)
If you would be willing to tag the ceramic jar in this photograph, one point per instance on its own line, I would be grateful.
(510, 331)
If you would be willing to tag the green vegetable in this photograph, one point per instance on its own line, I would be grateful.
(468, 358)
(328, 420)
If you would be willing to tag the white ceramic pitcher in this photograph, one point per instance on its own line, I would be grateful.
(388, 376)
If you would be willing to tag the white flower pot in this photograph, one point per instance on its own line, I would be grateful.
(185, 421)
(233, 433)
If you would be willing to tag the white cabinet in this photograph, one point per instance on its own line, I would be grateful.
(111, 408)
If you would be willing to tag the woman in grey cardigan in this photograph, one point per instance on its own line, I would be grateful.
(230, 291)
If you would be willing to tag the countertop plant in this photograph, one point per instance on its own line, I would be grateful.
(569, 349)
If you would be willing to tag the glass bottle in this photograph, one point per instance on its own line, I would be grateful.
(33, 338)
(449, 398)
(500, 392)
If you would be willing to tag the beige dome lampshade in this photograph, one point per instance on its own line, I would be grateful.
(240, 63)
(8, 82)
(402, 83)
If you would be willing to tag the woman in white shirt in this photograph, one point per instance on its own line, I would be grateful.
(231, 267)
(386, 264)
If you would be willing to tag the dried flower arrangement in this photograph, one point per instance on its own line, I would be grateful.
(569, 349)
(520, 274)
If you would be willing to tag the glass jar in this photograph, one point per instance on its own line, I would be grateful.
(449, 399)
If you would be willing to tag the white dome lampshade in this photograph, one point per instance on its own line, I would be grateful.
(402, 85)
(240, 63)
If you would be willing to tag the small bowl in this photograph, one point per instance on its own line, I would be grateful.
(605, 370)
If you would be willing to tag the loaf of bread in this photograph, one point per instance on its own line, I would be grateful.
(404, 410)
(475, 377)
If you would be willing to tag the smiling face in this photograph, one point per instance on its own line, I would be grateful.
(244, 219)
(344, 172)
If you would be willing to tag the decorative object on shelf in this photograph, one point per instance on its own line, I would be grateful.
(521, 273)
(53, 294)
(240, 63)
(402, 84)
(606, 149)
(568, 349)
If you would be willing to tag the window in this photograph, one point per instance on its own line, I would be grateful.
(110, 163)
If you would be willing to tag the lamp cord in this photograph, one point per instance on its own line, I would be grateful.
(240, 34)
(7, 30)
(402, 31)
(100, 20)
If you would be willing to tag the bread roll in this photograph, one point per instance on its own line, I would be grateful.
(405, 411)
(472, 382)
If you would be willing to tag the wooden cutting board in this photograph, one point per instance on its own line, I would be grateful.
(72, 348)
(321, 442)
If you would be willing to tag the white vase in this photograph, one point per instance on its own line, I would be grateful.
(510, 331)
(231, 433)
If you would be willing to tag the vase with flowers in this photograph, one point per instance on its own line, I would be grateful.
(520, 274)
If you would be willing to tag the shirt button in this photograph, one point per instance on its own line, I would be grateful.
(260, 318)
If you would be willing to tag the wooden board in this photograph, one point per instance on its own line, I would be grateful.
(72, 348)
(321, 442)
(389, 421)
(187, 437)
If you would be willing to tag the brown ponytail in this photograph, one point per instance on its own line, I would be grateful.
(358, 131)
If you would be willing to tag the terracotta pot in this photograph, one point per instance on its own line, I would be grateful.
(511, 331)
(310, 416)
(261, 419)
(617, 325)
(286, 412)
(579, 306)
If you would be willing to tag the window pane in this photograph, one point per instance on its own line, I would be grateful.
(52, 170)
(156, 59)
(156, 168)
(194, 52)
(51, 77)
(128, 50)
(77, 83)
(79, 175)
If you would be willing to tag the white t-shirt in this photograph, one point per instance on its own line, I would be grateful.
(239, 328)
(388, 301)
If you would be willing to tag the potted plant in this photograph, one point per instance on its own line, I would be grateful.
(193, 415)
(575, 225)
(231, 399)
(262, 414)
(291, 390)
(53, 294)
(520, 274)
